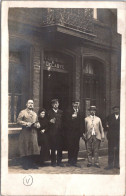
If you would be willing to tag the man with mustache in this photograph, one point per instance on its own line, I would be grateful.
(94, 134)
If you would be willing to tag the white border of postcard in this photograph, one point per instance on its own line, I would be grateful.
(61, 184)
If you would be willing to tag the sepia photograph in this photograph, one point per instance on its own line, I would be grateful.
(63, 97)
(59, 57)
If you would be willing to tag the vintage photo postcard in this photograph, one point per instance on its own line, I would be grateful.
(63, 92)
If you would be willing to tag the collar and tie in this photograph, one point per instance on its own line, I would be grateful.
(116, 116)
(75, 110)
(93, 130)
(55, 110)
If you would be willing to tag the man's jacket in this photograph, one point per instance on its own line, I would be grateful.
(97, 124)
(113, 127)
(55, 128)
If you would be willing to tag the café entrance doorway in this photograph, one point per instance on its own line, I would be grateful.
(57, 79)
(57, 86)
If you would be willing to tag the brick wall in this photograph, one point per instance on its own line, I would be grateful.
(77, 78)
(115, 98)
(36, 77)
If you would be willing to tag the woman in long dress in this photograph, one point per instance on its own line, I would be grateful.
(43, 136)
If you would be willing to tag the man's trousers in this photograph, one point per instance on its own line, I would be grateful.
(73, 148)
(93, 145)
(113, 153)
(56, 145)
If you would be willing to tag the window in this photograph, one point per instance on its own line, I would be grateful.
(93, 84)
(16, 72)
(88, 69)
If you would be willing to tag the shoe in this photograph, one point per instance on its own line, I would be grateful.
(53, 164)
(68, 165)
(108, 168)
(76, 165)
(97, 165)
(60, 164)
(42, 165)
(116, 167)
(25, 167)
(34, 167)
(89, 165)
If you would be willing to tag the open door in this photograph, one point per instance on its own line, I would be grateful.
(56, 86)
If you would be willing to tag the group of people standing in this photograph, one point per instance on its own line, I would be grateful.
(51, 132)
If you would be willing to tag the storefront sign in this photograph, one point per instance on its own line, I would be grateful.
(54, 61)
(53, 64)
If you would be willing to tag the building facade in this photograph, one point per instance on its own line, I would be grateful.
(69, 54)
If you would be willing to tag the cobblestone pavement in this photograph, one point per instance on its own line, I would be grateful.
(15, 167)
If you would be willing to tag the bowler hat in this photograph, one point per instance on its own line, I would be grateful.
(93, 107)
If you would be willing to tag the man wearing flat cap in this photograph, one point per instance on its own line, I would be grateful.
(93, 134)
(113, 135)
(55, 116)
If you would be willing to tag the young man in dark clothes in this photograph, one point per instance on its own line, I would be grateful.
(113, 136)
(55, 116)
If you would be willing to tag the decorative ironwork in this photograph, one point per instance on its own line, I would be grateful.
(76, 18)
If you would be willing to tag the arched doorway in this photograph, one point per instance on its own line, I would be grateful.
(94, 86)
(57, 79)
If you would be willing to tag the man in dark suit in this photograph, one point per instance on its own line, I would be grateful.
(55, 129)
(113, 135)
(73, 131)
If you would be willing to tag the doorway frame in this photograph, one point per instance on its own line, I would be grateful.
(103, 63)
(63, 51)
